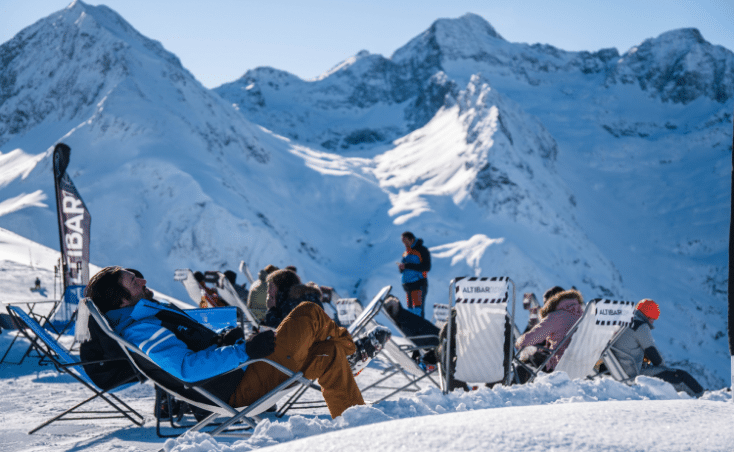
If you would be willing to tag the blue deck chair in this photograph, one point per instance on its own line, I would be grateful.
(44, 342)
(61, 320)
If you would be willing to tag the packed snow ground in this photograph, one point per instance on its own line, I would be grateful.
(554, 413)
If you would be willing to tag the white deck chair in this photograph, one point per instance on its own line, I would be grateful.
(347, 311)
(590, 335)
(246, 271)
(194, 393)
(440, 314)
(398, 352)
(186, 277)
(485, 309)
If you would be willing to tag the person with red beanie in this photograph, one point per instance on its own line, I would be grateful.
(635, 345)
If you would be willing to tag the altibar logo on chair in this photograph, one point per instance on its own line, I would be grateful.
(613, 312)
(482, 290)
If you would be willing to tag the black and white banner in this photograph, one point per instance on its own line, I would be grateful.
(74, 222)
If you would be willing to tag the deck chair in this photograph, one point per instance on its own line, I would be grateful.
(194, 393)
(331, 307)
(611, 363)
(440, 314)
(485, 311)
(44, 343)
(186, 277)
(229, 295)
(59, 320)
(10, 324)
(589, 336)
(398, 352)
(347, 311)
(361, 322)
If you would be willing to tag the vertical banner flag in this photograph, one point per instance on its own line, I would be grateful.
(74, 222)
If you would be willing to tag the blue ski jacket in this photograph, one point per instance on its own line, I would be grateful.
(142, 325)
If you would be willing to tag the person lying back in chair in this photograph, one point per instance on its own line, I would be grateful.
(107, 365)
(558, 315)
(307, 341)
(414, 325)
(635, 345)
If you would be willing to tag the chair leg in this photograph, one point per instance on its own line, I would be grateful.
(128, 412)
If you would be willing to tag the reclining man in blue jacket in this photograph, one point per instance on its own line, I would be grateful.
(307, 341)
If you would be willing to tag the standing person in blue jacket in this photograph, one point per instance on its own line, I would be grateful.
(414, 267)
(307, 340)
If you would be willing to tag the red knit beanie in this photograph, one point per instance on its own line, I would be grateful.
(649, 308)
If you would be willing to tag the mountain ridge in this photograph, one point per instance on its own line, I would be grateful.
(525, 162)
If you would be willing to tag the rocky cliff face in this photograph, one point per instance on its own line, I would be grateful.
(678, 66)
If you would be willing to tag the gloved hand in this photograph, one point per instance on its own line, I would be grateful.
(261, 345)
(229, 337)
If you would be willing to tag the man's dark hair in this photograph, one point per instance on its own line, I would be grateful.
(551, 292)
(284, 280)
(199, 277)
(135, 272)
(408, 235)
(105, 289)
(231, 276)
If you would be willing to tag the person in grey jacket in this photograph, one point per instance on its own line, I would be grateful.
(635, 343)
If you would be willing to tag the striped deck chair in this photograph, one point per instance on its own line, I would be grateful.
(485, 311)
(590, 335)
(48, 346)
(440, 314)
(347, 311)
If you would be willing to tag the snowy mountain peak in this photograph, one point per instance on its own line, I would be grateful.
(467, 26)
(64, 64)
(678, 66)
(682, 36)
(464, 37)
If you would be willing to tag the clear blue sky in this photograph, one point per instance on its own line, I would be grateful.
(218, 40)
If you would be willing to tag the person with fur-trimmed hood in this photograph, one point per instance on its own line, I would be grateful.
(557, 317)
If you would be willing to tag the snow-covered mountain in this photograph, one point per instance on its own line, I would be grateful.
(603, 171)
